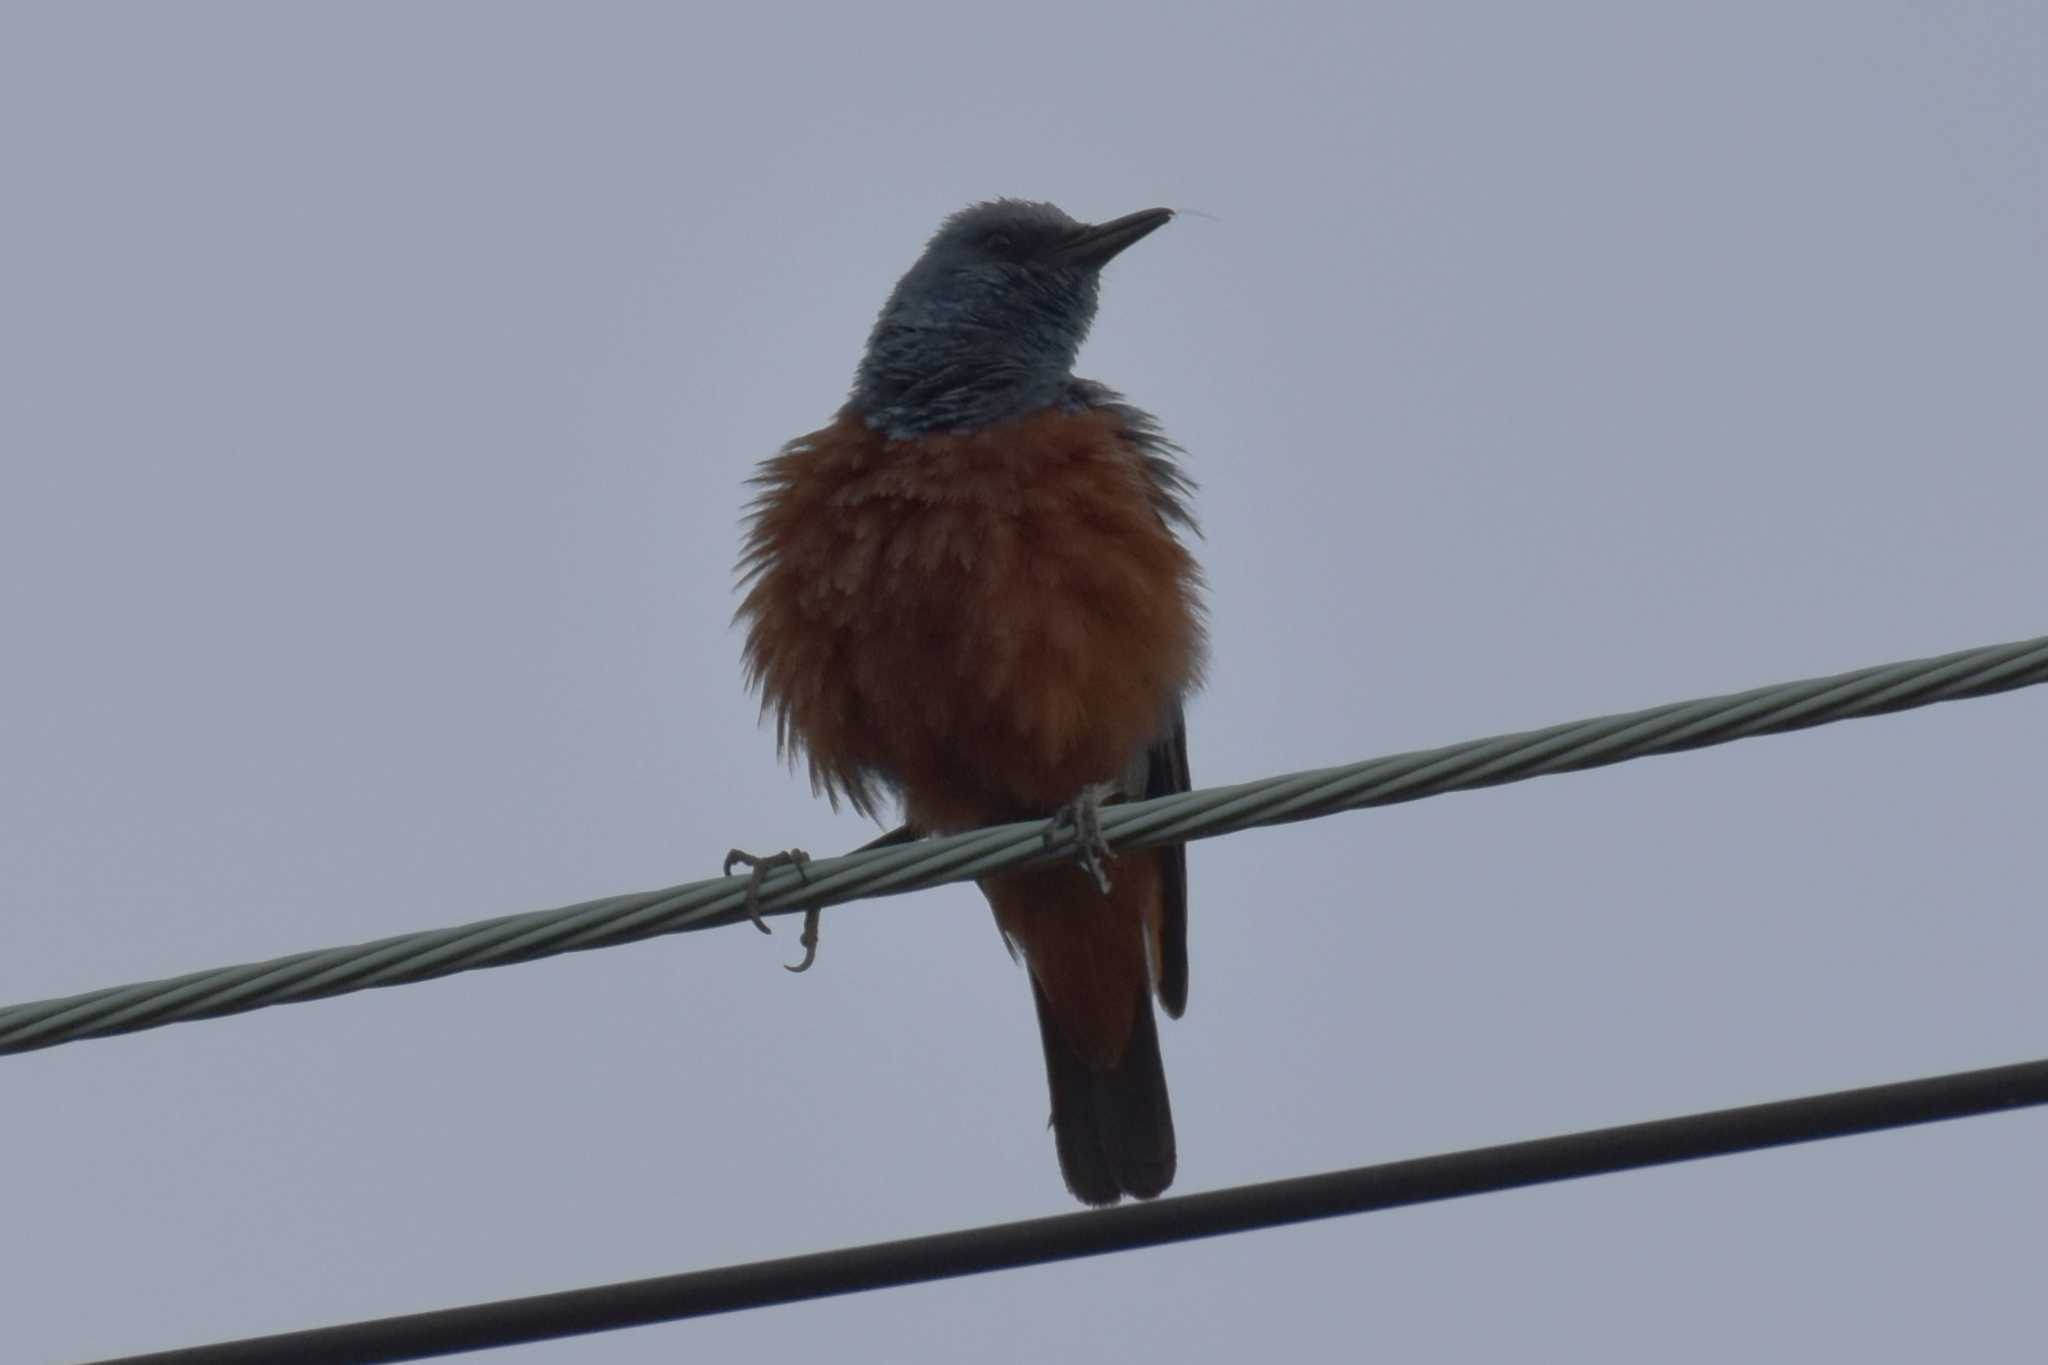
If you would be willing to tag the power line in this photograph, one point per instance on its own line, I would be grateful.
(1192, 815)
(1483, 1170)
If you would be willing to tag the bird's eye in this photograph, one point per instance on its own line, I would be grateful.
(999, 242)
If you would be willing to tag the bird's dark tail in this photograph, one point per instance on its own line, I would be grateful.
(1114, 1127)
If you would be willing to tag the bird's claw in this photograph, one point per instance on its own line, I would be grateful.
(808, 941)
(1083, 815)
(761, 867)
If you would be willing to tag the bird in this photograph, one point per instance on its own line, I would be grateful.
(971, 592)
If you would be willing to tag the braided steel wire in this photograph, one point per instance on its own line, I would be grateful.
(1202, 814)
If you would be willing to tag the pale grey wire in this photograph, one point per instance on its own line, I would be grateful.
(908, 867)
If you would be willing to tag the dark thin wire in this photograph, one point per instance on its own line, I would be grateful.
(1483, 1170)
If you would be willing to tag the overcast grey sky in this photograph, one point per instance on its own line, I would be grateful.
(380, 384)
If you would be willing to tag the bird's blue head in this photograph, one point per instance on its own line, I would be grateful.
(986, 325)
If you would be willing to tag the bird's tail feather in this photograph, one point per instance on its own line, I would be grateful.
(1113, 1127)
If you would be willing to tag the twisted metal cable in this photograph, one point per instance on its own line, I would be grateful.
(1192, 815)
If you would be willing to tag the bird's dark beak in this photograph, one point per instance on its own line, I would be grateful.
(1093, 245)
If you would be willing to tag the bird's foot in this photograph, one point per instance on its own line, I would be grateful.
(761, 867)
(1083, 815)
(808, 941)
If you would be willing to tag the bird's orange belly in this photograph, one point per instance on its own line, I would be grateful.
(1003, 617)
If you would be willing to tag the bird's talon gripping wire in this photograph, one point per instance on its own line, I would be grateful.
(808, 941)
(789, 857)
(1083, 815)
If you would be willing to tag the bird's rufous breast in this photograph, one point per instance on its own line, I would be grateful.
(990, 621)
